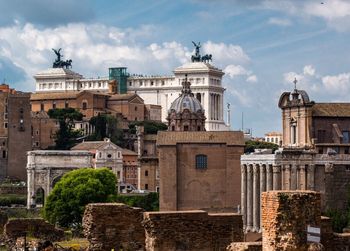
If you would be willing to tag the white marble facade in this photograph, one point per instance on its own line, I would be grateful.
(206, 84)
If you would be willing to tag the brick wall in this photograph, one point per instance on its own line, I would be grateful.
(37, 228)
(191, 230)
(285, 216)
(113, 225)
(245, 246)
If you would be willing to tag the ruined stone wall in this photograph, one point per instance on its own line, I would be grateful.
(191, 230)
(285, 216)
(37, 228)
(245, 246)
(113, 226)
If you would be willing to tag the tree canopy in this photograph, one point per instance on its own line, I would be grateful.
(251, 145)
(66, 203)
(66, 135)
(106, 126)
(150, 127)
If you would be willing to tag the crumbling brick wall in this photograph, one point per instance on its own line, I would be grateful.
(113, 226)
(285, 216)
(245, 246)
(37, 228)
(191, 230)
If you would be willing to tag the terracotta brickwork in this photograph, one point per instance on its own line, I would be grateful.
(285, 217)
(184, 185)
(191, 230)
(113, 226)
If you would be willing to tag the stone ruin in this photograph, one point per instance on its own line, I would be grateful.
(285, 217)
(37, 228)
(117, 226)
(113, 226)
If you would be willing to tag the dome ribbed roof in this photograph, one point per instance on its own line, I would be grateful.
(186, 100)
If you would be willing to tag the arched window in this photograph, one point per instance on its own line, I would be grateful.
(201, 161)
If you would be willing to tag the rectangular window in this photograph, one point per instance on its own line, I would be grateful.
(346, 137)
(146, 186)
(201, 161)
(5, 124)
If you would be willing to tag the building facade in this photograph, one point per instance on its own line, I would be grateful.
(206, 82)
(15, 132)
(274, 137)
(199, 170)
(315, 156)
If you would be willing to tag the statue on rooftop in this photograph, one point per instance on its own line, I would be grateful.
(196, 57)
(59, 63)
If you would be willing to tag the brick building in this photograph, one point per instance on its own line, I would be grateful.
(15, 132)
(199, 170)
(315, 156)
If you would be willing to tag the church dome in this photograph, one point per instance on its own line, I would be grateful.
(186, 102)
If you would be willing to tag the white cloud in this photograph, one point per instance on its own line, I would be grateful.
(252, 79)
(96, 47)
(338, 84)
(234, 71)
(225, 54)
(336, 13)
(309, 70)
(279, 21)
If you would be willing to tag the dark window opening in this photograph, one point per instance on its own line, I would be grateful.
(54, 105)
(173, 128)
(186, 128)
(84, 105)
(42, 107)
(346, 150)
(4, 154)
(146, 186)
(109, 155)
(198, 128)
(66, 105)
(146, 173)
(346, 137)
(201, 161)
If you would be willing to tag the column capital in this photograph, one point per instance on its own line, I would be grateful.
(302, 168)
(256, 168)
(276, 168)
(262, 168)
(286, 167)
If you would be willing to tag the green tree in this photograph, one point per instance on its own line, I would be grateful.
(66, 203)
(251, 145)
(106, 126)
(66, 135)
(150, 127)
(149, 202)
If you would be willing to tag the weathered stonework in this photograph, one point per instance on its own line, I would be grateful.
(191, 230)
(113, 225)
(37, 228)
(245, 246)
(285, 217)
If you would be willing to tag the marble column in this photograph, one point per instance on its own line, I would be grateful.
(310, 177)
(249, 198)
(302, 177)
(244, 193)
(256, 198)
(209, 107)
(287, 177)
(276, 177)
(262, 185)
(269, 177)
(294, 173)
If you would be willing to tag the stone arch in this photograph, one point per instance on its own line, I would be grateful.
(40, 196)
(55, 180)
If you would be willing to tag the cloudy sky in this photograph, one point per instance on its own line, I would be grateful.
(261, 45)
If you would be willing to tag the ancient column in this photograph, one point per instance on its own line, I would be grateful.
(287, 177)
(310, 177)
(243, 194)
(256, 198)
(262, 186)
(269, 177)
(30, 180)
(276, 177)
(302, 175)
(294, 177)
(249, 197)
